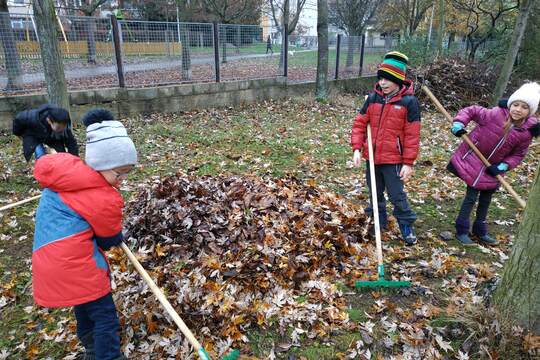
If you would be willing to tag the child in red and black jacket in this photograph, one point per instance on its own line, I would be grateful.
(393, 113)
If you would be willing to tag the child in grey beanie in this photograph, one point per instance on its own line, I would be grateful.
(109, 149)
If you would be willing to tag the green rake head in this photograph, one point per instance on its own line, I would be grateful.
(233, 355)
(382, 282)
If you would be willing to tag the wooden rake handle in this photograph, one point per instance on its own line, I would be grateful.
(374, 201)
(467, 140)
(162, 299)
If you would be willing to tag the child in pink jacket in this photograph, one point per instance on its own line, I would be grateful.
(503, 135)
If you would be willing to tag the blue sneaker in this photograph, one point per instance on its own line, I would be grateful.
(464, 239)
(408, 234)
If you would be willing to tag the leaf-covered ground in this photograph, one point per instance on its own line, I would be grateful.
(445, 313)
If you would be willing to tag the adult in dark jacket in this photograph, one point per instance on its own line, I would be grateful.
(49, 125)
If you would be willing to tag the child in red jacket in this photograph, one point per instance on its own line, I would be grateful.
(79, 216)
(393, 113)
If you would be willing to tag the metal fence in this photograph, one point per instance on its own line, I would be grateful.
(148, 53)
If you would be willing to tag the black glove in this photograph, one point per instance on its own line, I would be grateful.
(535, 130)
(105, 243)
(494, 170)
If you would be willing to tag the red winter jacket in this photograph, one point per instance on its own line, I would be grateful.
(78, 214)
(395, 126)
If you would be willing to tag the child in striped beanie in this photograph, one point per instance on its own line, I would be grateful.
(393, 67)
(393, 113)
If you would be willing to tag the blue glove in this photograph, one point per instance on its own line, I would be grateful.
(497, 169)
(39, 151)
(458, 129)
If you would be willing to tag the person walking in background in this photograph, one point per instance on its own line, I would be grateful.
(269, 45)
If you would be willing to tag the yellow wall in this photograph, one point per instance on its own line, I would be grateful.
(30, 49)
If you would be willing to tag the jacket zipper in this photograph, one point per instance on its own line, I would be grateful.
(469, 151)
(490, 155)
(399, 146)
(379, 126)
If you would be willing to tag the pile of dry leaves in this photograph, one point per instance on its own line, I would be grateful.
(233, 252)
(457, 82)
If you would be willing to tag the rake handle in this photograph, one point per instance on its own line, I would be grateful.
(12, 205)
(375, 203)
(162, 299)
(468, 141)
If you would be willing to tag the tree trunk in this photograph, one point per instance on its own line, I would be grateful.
(282, 51)
(11, 53)
(350, 51)
(451, 39)
(517, 297)
(53, 66)
(515, 44)
(91, 39)
(321, 86)
(440, 33)
(186, 54)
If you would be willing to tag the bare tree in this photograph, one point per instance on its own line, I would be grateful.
(440, 32)
(53, 68)
(88, 8)
(281, 14)
(515, 44)
(321, 85)
(483, 18)
(352, 17)
(9, 45)
(404, 14)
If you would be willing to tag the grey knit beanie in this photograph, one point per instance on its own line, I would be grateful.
(108, 146)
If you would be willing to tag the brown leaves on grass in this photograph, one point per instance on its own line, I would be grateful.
(234, 251)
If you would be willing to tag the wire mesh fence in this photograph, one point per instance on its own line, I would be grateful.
(249, 52)
(85, 46)
(157, 53)
(302, 57)
(350, 57)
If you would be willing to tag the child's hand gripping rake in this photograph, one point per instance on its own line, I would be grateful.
(381, 282)
(481, 156)
(167, 305)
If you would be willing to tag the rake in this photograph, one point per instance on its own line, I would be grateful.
(381, 281)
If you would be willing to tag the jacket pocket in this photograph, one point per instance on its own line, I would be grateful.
(399, 147)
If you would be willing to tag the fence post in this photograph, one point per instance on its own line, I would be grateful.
(216, 51)
(118, 51)
(285, 49)
(338, 49)
(363, 40)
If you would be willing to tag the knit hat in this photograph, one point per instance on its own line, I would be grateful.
(108, 145)
(528, 93)
(393, 67)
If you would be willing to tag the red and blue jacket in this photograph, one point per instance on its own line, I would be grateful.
(79, 215)
(395, 126)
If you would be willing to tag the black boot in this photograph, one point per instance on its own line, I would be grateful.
(480, 229)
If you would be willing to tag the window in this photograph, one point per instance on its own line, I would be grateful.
(17, 24)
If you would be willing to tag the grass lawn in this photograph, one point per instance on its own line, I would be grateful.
(310, 141)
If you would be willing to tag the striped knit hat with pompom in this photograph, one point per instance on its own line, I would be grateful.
(393, 67)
